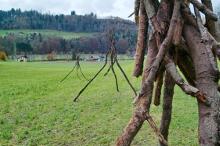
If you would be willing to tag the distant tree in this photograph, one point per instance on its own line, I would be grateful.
(73, 13)
(3, 56)
(122, 45)
(24, 48)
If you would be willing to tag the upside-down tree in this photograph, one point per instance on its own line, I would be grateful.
(179, 38)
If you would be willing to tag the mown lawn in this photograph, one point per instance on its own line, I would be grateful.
(35, 109)
(46, 33)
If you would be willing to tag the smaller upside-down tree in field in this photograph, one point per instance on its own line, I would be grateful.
(178, 39)
(113, 59)
(78, 69)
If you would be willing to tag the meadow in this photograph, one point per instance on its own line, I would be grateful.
(46, 33)
(36, 109)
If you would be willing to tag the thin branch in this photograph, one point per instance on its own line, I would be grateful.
(131, 14)
(140, 115)
(167, 106)
(125, 76)
(77, 67)
(83, 73)
(204, 10)
(152, 15)
(77, 72)
(112, 68)
(153, 125)
(190, 19)
(188, 89)
(158, 87)
(177, 36)
(108, 70)
(150, 8)
(68, 74)
(136, 10)
(143, 100)
(185, 65)
(81, 91)
(210, 24)
(162, 51)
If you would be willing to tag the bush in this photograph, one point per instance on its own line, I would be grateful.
(51, 56)
(3, 56)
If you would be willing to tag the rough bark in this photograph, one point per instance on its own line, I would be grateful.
(163, 48)
(141, 41)
(190, 19)
(167, 106)
(209, 117)
(205, 38)
(188, 89)
(143, 101)
(158, 87)
(142, 106)
(185, 65)
(177, 36)
(210, 24)
(151, 55)
(204, 10)
(136, 122)
(184, 38)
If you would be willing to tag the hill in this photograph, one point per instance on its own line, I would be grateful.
(31, 32)
(17, 19)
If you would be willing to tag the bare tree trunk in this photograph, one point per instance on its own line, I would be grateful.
(167, 106)
(134, 125)
(142, 41)
(158, 87)
(206, 81)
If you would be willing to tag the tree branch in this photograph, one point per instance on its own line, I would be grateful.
(210, 24)
(207, 41)
(158, 87)
(83, 89)
(141, 41)
(137, 10)
(204, 10)
(188, 89)
(167, 106)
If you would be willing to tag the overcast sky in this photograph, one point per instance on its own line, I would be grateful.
(102, 8)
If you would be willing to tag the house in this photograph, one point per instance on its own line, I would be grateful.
(92, 58)
(22, 58)
(95, 58)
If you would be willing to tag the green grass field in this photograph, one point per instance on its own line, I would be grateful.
(35, 109)
(47, 33)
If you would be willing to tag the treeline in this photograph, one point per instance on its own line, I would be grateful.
(17, 19)
(36, 43)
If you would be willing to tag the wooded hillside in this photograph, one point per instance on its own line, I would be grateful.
(17, 19)
(16, 22)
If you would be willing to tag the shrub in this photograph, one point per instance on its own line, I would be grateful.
(51, 56)
(3, 56)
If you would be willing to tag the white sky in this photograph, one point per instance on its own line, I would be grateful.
(102, 8)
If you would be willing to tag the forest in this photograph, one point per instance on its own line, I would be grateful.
(17, 19)
(37, 43)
